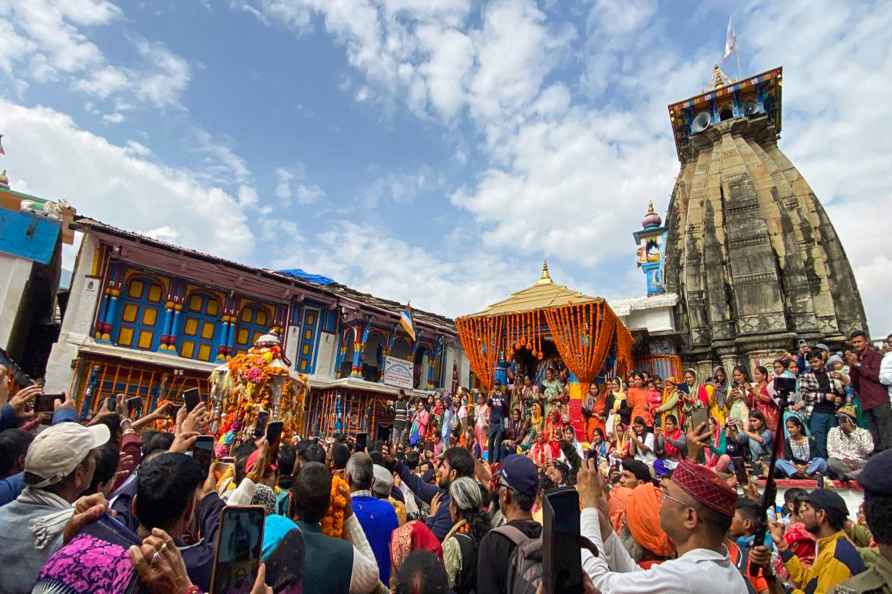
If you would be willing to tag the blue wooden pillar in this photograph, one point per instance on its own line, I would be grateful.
(175, 326)
(220, 340)
(165, 325)
(358, 348)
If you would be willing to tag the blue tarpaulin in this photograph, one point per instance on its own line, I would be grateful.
(28, 236)
(316, 279)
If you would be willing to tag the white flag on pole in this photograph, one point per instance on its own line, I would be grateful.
(730, 40)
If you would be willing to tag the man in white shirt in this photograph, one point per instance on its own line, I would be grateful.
(696, 513)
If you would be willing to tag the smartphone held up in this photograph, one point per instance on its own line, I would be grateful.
(238, 550)
(561, 561)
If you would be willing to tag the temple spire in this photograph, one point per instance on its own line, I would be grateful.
(545, 279)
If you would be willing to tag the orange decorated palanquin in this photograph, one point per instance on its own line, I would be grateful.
(585, 332)
(253, 382)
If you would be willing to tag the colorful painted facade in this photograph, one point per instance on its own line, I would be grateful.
(151, 319)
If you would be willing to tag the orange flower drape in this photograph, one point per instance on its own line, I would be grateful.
(482, 339)
(624, 341)
(583, 334)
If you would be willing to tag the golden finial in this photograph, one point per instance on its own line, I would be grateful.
(545, 279)
(650, 207)
(719, 78)
(4, 180)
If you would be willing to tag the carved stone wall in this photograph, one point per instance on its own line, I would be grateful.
(751, 252)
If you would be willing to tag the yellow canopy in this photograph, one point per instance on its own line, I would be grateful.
(544, 293)
(584, 329)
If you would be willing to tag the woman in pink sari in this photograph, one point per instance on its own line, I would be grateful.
(419, 425)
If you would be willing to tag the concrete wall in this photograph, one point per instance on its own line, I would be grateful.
(78, 320)
(14, 275)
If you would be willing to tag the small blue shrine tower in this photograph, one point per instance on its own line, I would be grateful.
(650, 240)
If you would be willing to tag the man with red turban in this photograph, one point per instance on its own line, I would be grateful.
(696, 509)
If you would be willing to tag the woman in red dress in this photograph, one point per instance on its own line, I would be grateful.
(554, 432)
(764, 402)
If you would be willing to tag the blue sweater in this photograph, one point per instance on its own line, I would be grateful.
(378, 521)
(10, 487)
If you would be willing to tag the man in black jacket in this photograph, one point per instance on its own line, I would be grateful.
(518, 486)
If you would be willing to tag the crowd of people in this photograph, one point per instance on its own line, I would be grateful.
(835, 413)
(665, 470)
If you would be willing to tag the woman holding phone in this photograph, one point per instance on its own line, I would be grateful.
(740, 396)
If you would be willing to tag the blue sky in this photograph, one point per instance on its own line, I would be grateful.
(432, 150)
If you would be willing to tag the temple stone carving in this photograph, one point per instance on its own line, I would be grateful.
(749, 249)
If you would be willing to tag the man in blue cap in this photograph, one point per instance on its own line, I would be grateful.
(876, 478)
(518, 486)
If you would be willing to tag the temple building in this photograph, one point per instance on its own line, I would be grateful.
(747, 250)
(151, 319)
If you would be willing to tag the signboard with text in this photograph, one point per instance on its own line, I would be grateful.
(398, 372)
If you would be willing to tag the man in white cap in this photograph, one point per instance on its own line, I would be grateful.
(59, 467)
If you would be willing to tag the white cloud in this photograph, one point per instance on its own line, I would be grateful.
(283, 185)
(166, 76)
(119, 186)
(446, 72)
(138, 149)
(401, 188)
(309, 194)
(51, 26)
(113, 118)
(14, 46)
(515, 52)
(370, 259)
(50, 40)
(247, 196)
(410, 46)
(291, 183)
(103, 82)
(221, 164)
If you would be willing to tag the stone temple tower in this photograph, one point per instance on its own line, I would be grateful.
(749, 249)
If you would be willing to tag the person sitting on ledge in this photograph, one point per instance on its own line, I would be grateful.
(800, 460)
(848, 446)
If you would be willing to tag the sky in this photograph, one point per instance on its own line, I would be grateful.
(432, 151)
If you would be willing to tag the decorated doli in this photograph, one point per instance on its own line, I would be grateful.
(252, 382)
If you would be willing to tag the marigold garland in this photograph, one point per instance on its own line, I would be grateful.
(252, 382)
(333, 520)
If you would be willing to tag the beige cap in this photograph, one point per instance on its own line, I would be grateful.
(56, 452)
(383, 480)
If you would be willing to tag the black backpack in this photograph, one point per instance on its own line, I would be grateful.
(525, 562)
(466, 580)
